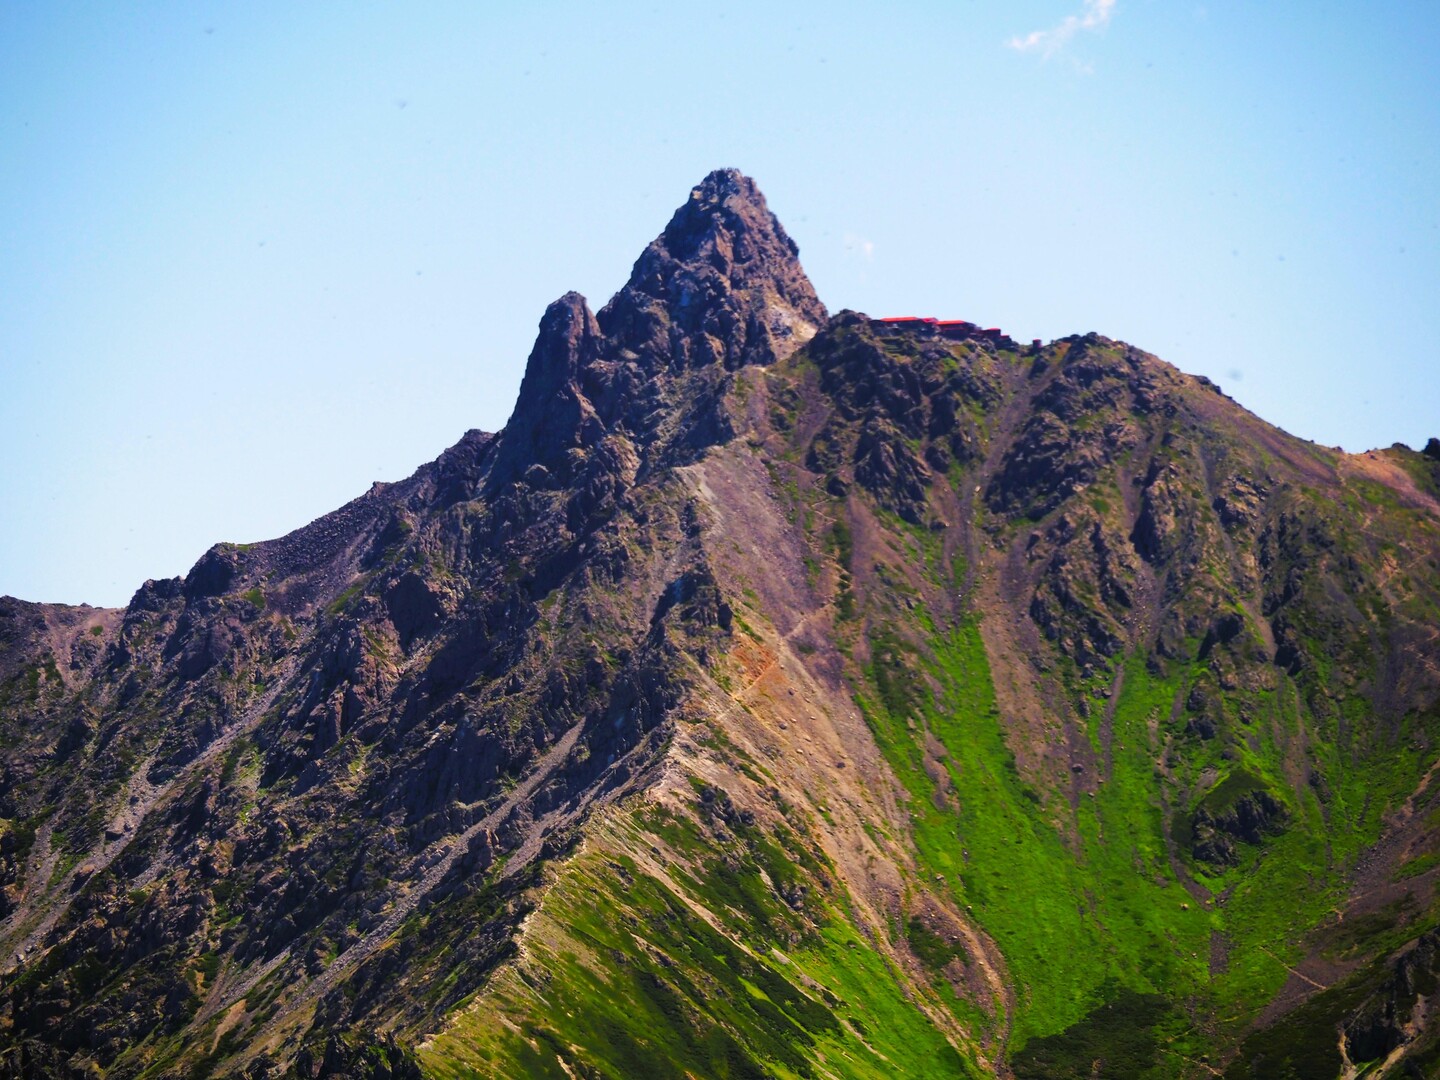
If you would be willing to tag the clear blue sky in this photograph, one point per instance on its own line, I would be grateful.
(255, 256)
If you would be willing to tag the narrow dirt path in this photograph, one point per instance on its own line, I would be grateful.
(774, 661)
(1302, 977)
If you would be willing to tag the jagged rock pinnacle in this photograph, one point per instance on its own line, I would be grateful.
(552, 413)
(723, 283)
(720, 288)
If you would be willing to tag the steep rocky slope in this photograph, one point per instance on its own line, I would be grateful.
(778, 694)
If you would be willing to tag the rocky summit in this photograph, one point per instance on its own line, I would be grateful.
(779, 694)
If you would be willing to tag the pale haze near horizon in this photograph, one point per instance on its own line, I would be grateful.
(255, 258)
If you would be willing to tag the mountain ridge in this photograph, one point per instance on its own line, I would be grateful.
(778, 693)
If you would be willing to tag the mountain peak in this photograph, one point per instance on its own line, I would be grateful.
(722, 182)
(721, 287)
(723, 283)
(726, 201)
(552, 414)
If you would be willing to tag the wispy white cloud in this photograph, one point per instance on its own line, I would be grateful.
(857, 244)
(1097, 14)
